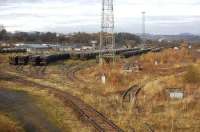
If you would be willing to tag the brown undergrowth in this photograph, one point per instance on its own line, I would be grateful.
(9, 125)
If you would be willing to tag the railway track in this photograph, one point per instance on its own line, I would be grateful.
(75, 82)
(99, 121)
(73, 77)
(86, 110)
(71, 72)
(89, 114)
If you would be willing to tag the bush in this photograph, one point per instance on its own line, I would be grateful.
(168, 56)
(192, 75)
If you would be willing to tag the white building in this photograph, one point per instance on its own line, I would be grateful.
(35, 48)
(87, 47)
(19, 44)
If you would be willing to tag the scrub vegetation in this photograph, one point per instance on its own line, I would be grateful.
(158, 73)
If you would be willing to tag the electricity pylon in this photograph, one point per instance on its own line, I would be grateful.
(107, 38)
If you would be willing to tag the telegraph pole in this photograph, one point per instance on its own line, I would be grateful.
(1, 27)
(107, 38)
(143, 28)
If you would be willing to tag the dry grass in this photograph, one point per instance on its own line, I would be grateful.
(124, 114)
(158, 112)
(9, 125)
(3, 58)
(168, 56)
(61, 115)
(115, 79)
(163, 113)
(192, 75)
(64, 116)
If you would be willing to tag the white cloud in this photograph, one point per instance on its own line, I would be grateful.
(78, 15)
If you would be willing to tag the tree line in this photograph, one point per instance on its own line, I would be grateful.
(52, 38)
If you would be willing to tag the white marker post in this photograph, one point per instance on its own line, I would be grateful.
(103, 79)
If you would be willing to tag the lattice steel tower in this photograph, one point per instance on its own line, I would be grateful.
(107, 38)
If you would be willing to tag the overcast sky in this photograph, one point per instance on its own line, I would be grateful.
(163, 16)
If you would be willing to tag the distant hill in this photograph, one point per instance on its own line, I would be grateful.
(183, 36)
(186, 34)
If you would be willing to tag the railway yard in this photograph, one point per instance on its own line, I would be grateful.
(147, 90)
(135, 70)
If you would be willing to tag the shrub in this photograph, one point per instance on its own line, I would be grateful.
(192, 75)
(168, 56)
